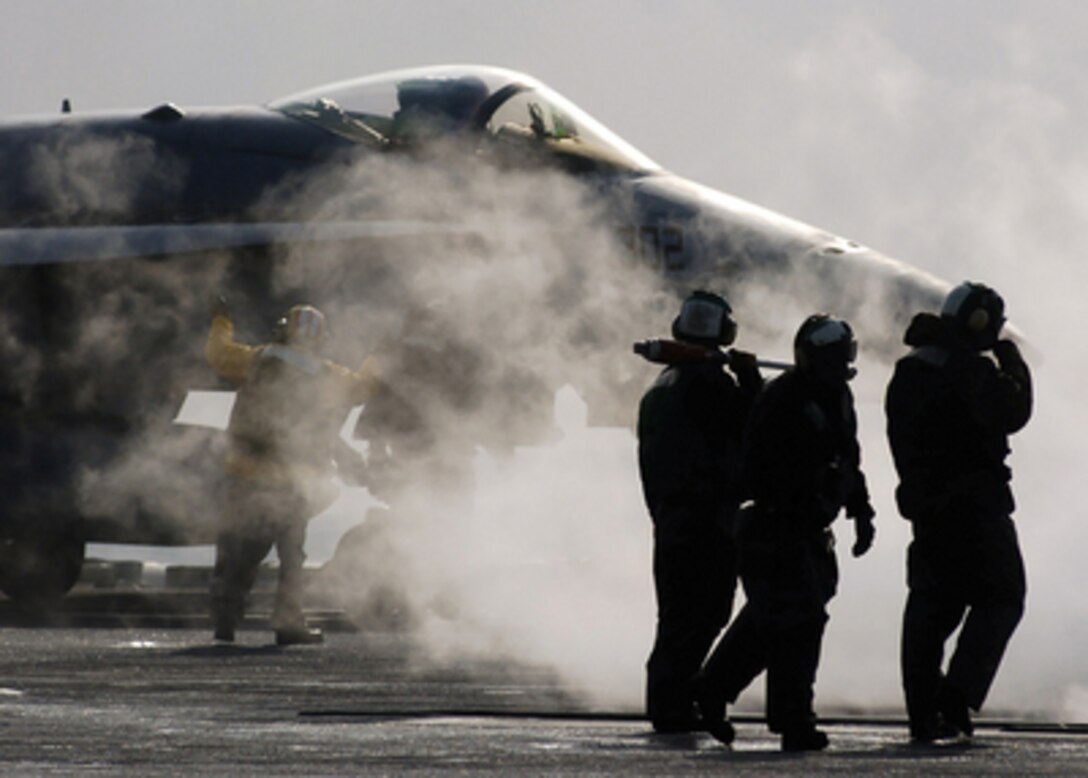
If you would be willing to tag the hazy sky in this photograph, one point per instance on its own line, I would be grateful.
(835, 112)
(946, 133)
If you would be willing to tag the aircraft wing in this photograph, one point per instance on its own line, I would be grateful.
(64, 245)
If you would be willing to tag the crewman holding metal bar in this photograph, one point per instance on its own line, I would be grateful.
(690, 426)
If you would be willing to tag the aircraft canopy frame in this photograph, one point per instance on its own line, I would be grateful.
(418, 106)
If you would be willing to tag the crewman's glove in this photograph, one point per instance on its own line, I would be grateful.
(743, 364)
(217, 306)
(1012, 363)
(864, 532)
(1007, 354)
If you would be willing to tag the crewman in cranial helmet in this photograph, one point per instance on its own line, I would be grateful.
(951, 405)
(802, 466)
(284, 449)
(690, 425)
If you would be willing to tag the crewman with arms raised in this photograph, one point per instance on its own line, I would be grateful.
(284, 449)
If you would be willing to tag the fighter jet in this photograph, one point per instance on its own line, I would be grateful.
(115, 225)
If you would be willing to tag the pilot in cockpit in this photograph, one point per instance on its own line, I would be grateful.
(432, 107)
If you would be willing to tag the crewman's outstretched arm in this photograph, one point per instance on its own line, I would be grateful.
(230, 358)
(359, 385)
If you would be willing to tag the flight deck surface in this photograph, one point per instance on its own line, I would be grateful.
(168, 701)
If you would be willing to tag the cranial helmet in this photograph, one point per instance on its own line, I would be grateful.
(705, 318)
(825, 347)
(303, 326)
(976, 313)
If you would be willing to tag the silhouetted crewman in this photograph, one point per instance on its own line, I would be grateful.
(690, 427)
(950, 411)
(283, 441)
(801, 466)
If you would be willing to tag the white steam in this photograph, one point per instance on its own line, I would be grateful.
(549, 560)
(984, 179)
(540, 551)
(101, 348)
(82, 175)
(979, 174)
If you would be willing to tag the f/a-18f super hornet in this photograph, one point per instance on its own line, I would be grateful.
(115, 227)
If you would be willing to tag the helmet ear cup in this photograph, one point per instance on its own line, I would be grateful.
(976, 311)
(978, 320)
(728, 332)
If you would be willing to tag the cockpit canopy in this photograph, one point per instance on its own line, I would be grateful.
(490, 107)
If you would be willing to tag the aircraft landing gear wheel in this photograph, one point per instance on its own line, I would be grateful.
(37, 572)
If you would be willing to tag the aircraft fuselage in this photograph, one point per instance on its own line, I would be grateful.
(114, 227)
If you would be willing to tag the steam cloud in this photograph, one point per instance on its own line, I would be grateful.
(987, 182)
(549, 560)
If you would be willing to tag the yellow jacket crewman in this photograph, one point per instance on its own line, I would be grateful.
(284, 449)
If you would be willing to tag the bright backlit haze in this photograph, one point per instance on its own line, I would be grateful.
(945, 134)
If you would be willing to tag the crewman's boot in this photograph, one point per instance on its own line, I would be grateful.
(289, 621)
(804, 739)
(712, 713)
(224, 613)
(224, 632)
(936, 731)
(299, 635)
(953, 709)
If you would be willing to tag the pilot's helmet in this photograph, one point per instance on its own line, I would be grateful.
(455, 100)
(705, 318)
(825, 348)
(303, 326)
(976, 313)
